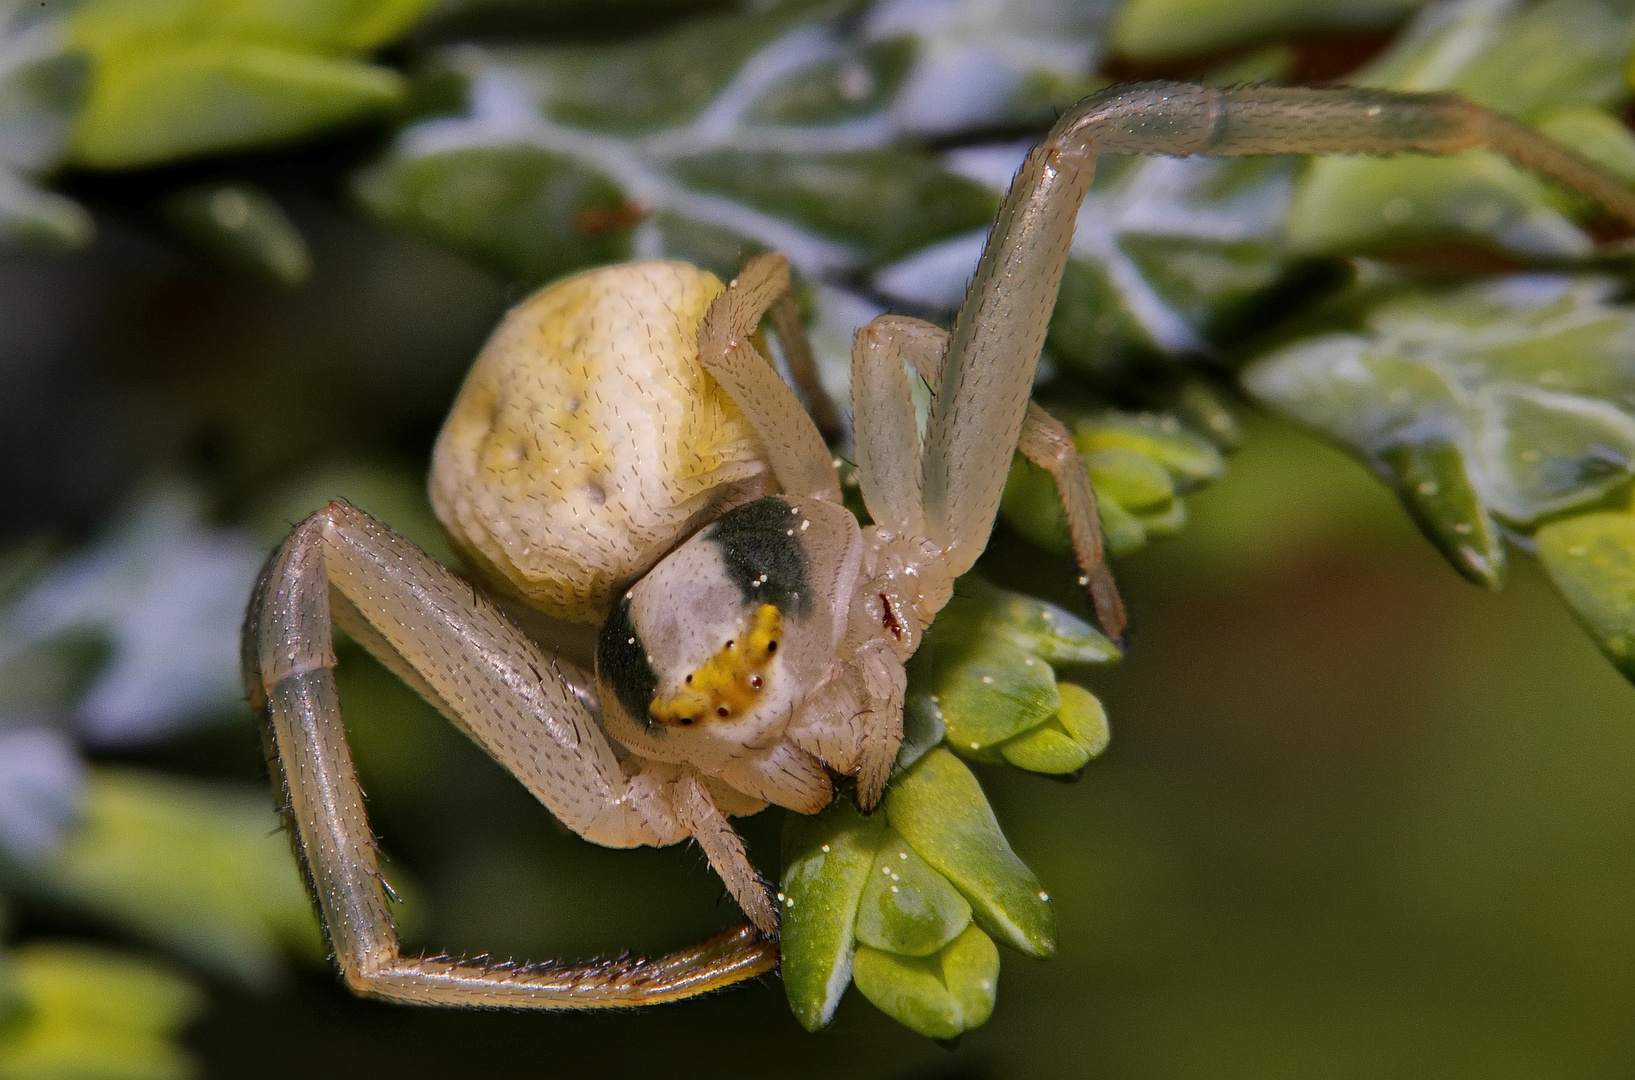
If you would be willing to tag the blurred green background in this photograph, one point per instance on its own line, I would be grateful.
(1359, 817)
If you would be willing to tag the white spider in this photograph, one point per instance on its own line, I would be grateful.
(623, 454)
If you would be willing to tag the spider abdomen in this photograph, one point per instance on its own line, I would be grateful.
(588, 440)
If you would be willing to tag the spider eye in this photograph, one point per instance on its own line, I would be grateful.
(722, 711)
(689, 678)
(685, 720)
(771, 647)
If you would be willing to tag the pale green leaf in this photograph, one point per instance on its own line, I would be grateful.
(202, 870)
(528, 211)
(1591, 559)
(940, 996)
(1521, 60)
(910, 990)
(908, 908)
(94, 1013)
(939, 808)
(827, 859)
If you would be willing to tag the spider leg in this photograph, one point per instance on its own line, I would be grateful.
(885, 438)
(725, 849)
(982, 396)
(797, 352)
(1045, 442)
(497, 685)
(799, 457)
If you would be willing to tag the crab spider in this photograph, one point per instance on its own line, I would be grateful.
(752, 635)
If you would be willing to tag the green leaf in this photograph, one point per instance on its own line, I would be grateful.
(1358, 205)
(199, 869)
(908, 908)
(1526, 376)
(774, 129)
(827, 859)
(886, 203)
(1046, 749)
(989, 690)
(983, 673)
(659, 80)
(1559, 52)
(1049, 632)
(1591, 559)
(939, 808)
(940, 996)
(1523, 61)
(859, 81)
(531, 212)
(1189, 458)
(1130, 478)
(96, 1013)
(177, 78)
(1152, 30)
(1067, 741)
(1503, 403)
(243, 228)
(1434, 484)
(148, 108)
(344, 27)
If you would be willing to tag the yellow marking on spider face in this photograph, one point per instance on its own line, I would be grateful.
(727, 684)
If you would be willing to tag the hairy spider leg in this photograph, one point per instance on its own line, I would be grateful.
(982, 398)
(797, 352)
(795, 449)
(457, 649)
(888, 442)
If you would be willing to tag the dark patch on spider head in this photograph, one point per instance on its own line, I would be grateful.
(761, 548)
(622, 665)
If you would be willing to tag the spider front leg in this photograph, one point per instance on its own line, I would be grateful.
(795, 448)
(888, 449)
(981, 398)
(456, 648)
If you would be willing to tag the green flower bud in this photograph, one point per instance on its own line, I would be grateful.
(1137, 465)
(1065, 742)
(1591, 559)
(908, 908)
(939, 808)
(940, 996)
(826, 862)
(1189, 458)
(984, 679)
(1130, 478)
